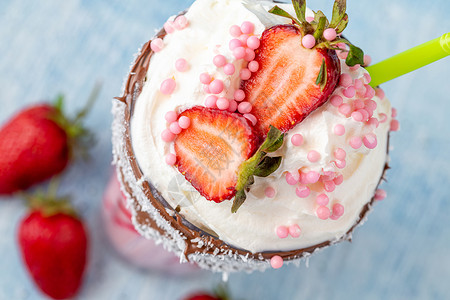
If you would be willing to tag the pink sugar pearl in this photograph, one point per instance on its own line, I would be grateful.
(345, 109)
(358, 84)
(219, 60)
(206, 89)
(181, 22)
(167, 136)
(253, 66)
(229, 69)
(380, 194)
(395, 125)
(355, 142)
(223, 103)
(282, 232)
(239, 52)
(210, 101)
(380, 93)
(245, 74)
(355, 67)
(235, 31)
(270, 192)
(349, 92)
(358, 104)
(169, 27)
(157, 44)
(297, 140)
(373, 122)
(205, 78)
(295, 231)
(308, 41)
(329, 186)
(338, 211)
(247, 27)
(291, 179)
(357, 116)
(302, 191)
(253, 42)
(175, 128)
(184, 122)
(233, 106)
(313, 156)
(340, 163)
(367, 60)
(336, 100)
(370, 141)
(383, 117)
(338, 180)
(322, 200)
(249, 55)
(216, 86)
(345, 80)
(394, 112)
(340, 153)
(181, 65)
(168, 86)
(312, 177)
(239, 95)
(339, 130)
(370, 92)
(170, 159)
(309, 19)
(234, 44)
(276, 262)
(171, 116)
(243, 38)
(372, 105)
(245, 107)
(251, 118)
(323, 212)
(329, 34)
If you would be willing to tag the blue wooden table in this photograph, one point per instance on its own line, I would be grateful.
(48, 47)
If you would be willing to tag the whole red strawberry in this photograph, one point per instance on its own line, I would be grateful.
(202, 296)
(53, 243)
(37, 144)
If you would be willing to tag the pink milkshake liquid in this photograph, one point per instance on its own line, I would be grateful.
(133, 247)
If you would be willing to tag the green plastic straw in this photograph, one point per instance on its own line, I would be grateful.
(409, 60)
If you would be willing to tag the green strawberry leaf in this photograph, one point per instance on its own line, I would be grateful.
(321, 24)
(355, 56)
(322, 77)
(258, 165)
(276, 10)
(300, 9)
(339, 8)
(342, 25)
(267, 166)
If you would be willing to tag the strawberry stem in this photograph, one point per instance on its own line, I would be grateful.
(48, 203)
(258, 165)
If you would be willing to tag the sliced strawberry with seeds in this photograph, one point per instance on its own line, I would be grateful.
(210, 151)
(284, 90)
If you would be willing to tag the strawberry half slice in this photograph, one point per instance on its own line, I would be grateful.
(286, 88)
(210, 151)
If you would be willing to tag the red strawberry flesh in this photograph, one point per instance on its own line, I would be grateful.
(283, 91)
(211, 150)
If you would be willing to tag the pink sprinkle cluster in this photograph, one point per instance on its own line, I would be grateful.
(243, 46)
(175, 126)
(292, 230)
(179, 23)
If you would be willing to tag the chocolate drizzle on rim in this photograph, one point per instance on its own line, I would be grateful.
(196, 240)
